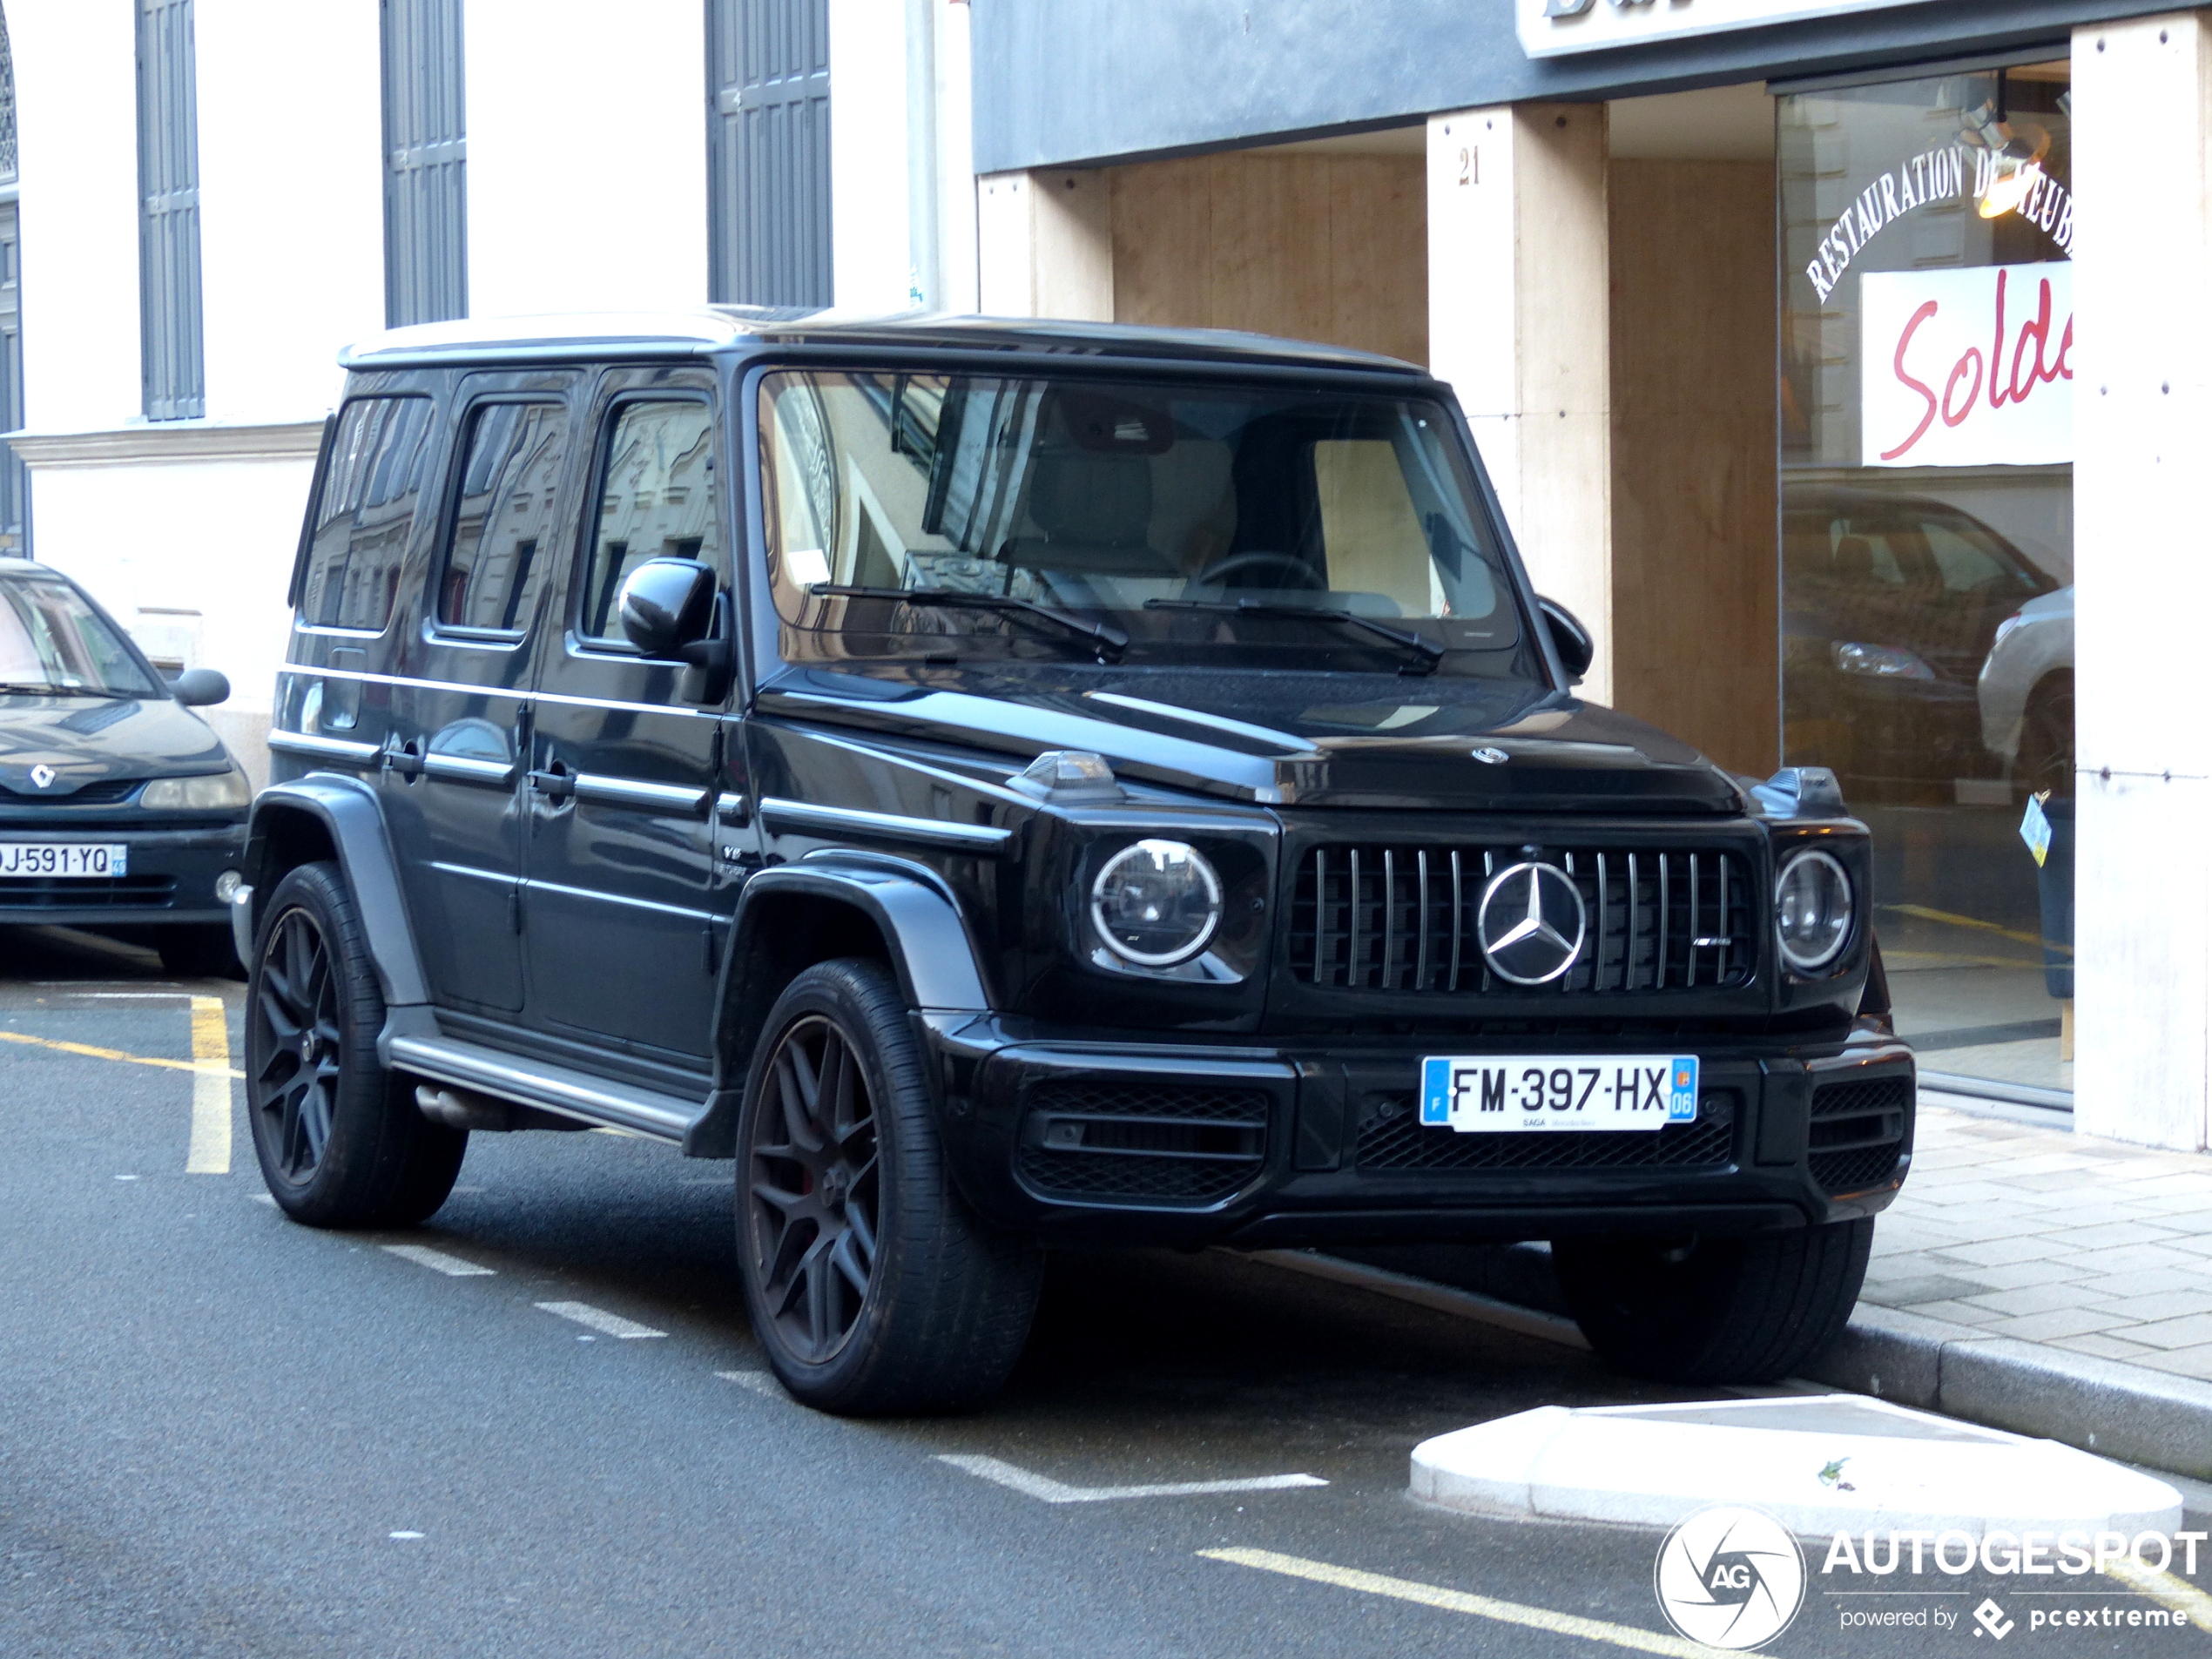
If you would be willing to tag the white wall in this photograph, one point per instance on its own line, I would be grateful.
(291, 201)
(871, 260)
(76, 113)
(587, 155)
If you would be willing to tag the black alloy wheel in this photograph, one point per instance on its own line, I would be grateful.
(340, 1139)
(871, 1285)
(295, 1085)
(812, 1190)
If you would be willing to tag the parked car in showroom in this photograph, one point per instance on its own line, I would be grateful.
(1889, 603)
(1008, 784)
(120, 811)
(2027, 693)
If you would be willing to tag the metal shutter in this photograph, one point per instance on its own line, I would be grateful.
(768, 172)
(14, 477)
(170, 369)
(426, 160)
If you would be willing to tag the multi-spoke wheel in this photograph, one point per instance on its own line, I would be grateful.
(871, 1285)
(339, 1138)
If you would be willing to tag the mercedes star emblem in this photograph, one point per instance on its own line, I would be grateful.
(43, 776)
(1490, 757)
(1530, 924)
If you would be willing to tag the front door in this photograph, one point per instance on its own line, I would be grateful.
(454, 775)
(619, 870)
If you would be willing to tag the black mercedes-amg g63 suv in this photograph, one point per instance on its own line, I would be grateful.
(1014, 783)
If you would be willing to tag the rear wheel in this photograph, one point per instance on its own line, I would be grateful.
(1718, 1310)
(871, 1285)
(2046, 738)
(199, 950)
(339, 1138)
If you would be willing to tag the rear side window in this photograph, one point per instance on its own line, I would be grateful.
(503, 526)
(656, 501)
(366, 513)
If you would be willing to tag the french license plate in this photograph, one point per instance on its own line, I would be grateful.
(1515, 1094)
(76, 859)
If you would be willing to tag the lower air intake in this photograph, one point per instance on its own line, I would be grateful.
(1139, 1141)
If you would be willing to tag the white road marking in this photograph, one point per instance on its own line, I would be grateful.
(407, 1535)
(1485, 1607)
(126, 1178)
(211, 1088)
(1047, 1490)
(761, 1382)
(599, 1319)
(451, 1266)
(263, 1197)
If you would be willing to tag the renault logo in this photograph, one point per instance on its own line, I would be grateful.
(1530, 923)
(42, 777)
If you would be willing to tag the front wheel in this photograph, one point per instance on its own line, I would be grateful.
(871, 1285)
(1716, 1310)
(339, 1141)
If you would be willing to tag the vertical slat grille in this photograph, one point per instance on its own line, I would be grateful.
(1403, 919)
(171, 372)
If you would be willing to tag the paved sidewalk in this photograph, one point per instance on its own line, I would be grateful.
(2021, 1231)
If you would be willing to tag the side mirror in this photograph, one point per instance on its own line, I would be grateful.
(199, 688)
(666, 604)
(1570, 638)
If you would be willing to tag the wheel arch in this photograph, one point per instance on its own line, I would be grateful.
(323, 816)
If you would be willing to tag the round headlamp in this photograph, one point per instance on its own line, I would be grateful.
(1156, 903)
(1812, 910)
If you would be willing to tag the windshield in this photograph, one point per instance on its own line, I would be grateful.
(51, 642)
(971, 518)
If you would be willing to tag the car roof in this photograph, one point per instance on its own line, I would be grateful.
(709, 330)
(12, 565)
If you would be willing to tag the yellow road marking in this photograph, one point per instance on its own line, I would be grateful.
(1483, 1607)
(92, 1053)
(2175, 1594)
(211, 1088)
(1924, 913)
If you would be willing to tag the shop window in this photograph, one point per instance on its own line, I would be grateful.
(1927, 557)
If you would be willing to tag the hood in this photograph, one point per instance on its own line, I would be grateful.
(89, 740)
(1286, 739)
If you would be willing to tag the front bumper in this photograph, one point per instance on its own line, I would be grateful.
(1317, 1141)
(171, 877)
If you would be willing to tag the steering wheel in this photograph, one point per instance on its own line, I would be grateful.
(1298, 572)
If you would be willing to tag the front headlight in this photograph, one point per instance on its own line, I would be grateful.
(1877, 662)
(208, 794)
(1812, 910)
(1156, 903)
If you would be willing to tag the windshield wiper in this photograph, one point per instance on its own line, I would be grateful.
(47, 688)
(1109, 641)
(1427, 650)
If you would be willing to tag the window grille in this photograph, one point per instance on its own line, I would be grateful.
(768, 172)
(7, 104)
(426, 163)
(171, 371)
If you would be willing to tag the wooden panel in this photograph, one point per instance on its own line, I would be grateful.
(1693, 466)
(1317, 247)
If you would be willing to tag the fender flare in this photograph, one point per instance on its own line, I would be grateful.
(349, 813)
(931, 951)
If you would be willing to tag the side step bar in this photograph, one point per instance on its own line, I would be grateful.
(555, 1088)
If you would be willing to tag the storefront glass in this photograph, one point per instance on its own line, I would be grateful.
(1927, 559)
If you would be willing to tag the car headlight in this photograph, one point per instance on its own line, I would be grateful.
(1812, 910)
(207, 794)
(1877, 662)
(1156, 903)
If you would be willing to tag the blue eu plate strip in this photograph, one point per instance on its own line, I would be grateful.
(1436, 1091)
(1682, 1094)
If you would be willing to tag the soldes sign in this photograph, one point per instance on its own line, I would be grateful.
(1967, 369)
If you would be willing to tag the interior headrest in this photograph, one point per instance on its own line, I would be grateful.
(1087, 497)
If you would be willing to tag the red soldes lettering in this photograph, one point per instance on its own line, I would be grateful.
(2029, 368)
(1904, 344)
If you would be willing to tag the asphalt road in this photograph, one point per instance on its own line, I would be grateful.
(222, 1433)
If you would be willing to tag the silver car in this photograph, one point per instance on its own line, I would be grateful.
(2027, 692)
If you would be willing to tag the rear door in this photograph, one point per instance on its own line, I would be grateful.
(454, 776)
(619, 871)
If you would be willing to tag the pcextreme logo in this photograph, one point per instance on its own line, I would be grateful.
(1730, 1577)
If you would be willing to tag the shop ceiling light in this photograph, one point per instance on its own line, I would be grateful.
(2016, 159)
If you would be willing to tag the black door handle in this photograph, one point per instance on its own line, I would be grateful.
(560, 785)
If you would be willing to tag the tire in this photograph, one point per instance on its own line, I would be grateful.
(339, 1138)
(2046, 738)
(871, 1285)
(199, 950)
(1716, 1311)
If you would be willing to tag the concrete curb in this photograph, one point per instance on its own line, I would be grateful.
(2128, 1413)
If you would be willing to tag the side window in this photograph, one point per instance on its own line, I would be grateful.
(367, 512)
(656, 501)
(502, 530)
